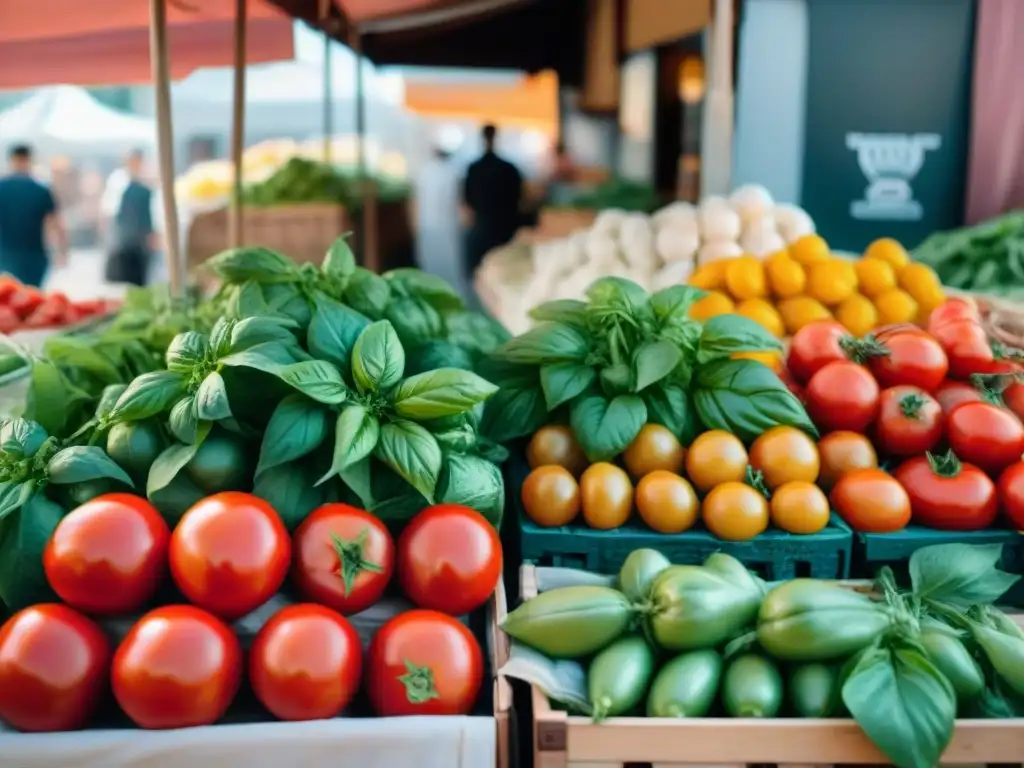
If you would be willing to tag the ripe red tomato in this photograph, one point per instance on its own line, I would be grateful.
(985, 435)
(230, 554)
(1013, 397)
(177, 667)
(1011, 494)
(947, 494)
(343, 558)
(912, 358)
(9, 320)
(909, 422)
(951, 393)
(792, 384)
(956, 325)
(814, 346)
(54, 669)
(951, 310)
(25, 300)
(842, 395)
(43, 317)
(423, 663)
(449, 559)
(108, 556)
(306, 663)
(8, 285)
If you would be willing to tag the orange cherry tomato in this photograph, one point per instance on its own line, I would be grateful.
(871, 501)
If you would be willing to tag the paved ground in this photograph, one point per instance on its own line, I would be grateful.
(83, 278)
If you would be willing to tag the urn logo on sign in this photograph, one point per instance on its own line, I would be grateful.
(890, 161)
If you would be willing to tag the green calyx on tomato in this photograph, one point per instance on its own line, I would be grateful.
(419, 683)
(862, 350)
(944, 465)
(910, 406)
(755, 479)
(351, 559)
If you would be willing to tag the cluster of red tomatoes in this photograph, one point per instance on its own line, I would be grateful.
(22, 306)
(182, 665)
(939, 407)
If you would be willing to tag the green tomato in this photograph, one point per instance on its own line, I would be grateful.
(220, 464)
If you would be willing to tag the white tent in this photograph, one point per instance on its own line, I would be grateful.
(67, 120)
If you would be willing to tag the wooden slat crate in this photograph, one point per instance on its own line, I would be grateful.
(564, 741)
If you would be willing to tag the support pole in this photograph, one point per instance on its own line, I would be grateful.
(323, 13)
(367, 186)
(717, 130)
(165, 141)
(235, 227)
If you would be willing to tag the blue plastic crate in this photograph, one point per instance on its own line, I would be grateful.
(774, 555)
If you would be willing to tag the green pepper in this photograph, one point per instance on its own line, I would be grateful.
(810, 620)
(735, 571)
(686, 686)
(943, 648)
(638, 572)
(813, 690)
(752, 687)
(1006, 654)
(618, 677)
(571, 622)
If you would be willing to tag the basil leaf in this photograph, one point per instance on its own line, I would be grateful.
(472, 482)
(13, 496)
(514, 412)
(747, 399)
(960, 574)
(673, 304)
(355, 437)
(148, 395)
(617, 380)
(444, 392)
(654, 361)
(167, 466)
(569, 311)
(185, 351)
(903, 704)
(176, 498)
(51, 397)
(184, 421)
(546, 344)
(108, 398)
(476, 332)
(220, 336)
(81, 353)
(288, 300)
(561, 382)
(80, 463)
(358, 479)
(378, 359)
(212, 399)
(609, 295)
(436, 354)
(605, 428)
(508, 375)
(252, 331)
(266, 357)
(333, 332)
(725, 335)
(367, 293)
(290, 489)
(412, 453)
(670, 406)
(339, 261)
(297, 427)
(423, 285)
(316, 379)
(23, 537)
(247, 301)
(415, 321)
(399, 508)
(264, 266)
(21, 437)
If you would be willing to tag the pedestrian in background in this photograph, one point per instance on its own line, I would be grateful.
(28, 214)
(134, 238)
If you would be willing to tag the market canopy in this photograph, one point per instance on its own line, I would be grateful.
(66, 119)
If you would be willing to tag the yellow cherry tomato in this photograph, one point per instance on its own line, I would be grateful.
(857, 314)
(606, 496)
(712, 305)
(745, 278)
(666, 502)
(888, 250)
(556, 444)
(921, 282)
(841, 452)
(800, 311)
(735, 512)
(874, 276)
(714, 458)
(654, 447)
(786, 276)
(772, 359)
(711, 275)
(809, 249)
(763, 313)
(551, 496)
(895, 306)
(832, 282)
(799, 507)
(784, 454)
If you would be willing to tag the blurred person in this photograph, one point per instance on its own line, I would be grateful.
(133, 237)
(438, 249)
(492, 193)
(28, 213)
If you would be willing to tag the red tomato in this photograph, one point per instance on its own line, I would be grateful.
(791, 384)
(1013, 397)
(947, 494)
(1001, 366)
(343, 557)
(108, 556)
(8, 285)
(54, 669)
(449, 559)
(814, 346)
(25, 300)
(423, 663)
(842, 395)
(58, 298)
(884, 332)
(230, 554)
(950, 310)
(909, 422)
(951, 393)
(9, 320)
(43, 317)
(985, 435)
(1011, 494)
(912, 358)
(305, 663)
(966, 346)
(177, 667)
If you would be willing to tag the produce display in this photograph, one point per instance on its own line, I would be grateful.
(804, 282)
(24, 307)
(181, 664)
(717, 641)
(301, 180)
(985, 258)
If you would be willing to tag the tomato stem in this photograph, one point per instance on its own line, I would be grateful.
(419, 683)
(946, 465)
(860, 350)
(755, 479)
(911, 405)
(351, 559)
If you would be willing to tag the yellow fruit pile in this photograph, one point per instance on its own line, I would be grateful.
(805, 282)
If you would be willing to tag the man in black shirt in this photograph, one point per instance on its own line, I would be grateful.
(133, 228)
(492, 193)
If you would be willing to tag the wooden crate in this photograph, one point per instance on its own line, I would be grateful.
(565, 741)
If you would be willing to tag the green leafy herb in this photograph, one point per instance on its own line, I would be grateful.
(725, 335)
(317, 380)
(546, 344)
(413, 453)
(368, 293)
(211, 399)
(378, 359)
(443, 392)
(23, 537)
(653, 361)
(148, 395)
(296, 429)
(80, 463)
(960, 574)
(355, 436)
(605, 428)
(339, 260)
(241, 264)
(562, 382)
(569, 311)
(186, 351)
(333, 332)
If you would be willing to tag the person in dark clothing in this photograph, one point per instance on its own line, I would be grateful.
(492, 193)
(133, 228)
(27, 211)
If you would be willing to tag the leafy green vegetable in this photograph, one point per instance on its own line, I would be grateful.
(604, 428)
(413, 453)
(297, 428)
(378, 359)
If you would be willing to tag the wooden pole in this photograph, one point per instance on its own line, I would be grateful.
(165, 140)
(324, 12)
(368, 188)
(717, 130)
(235, 226)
